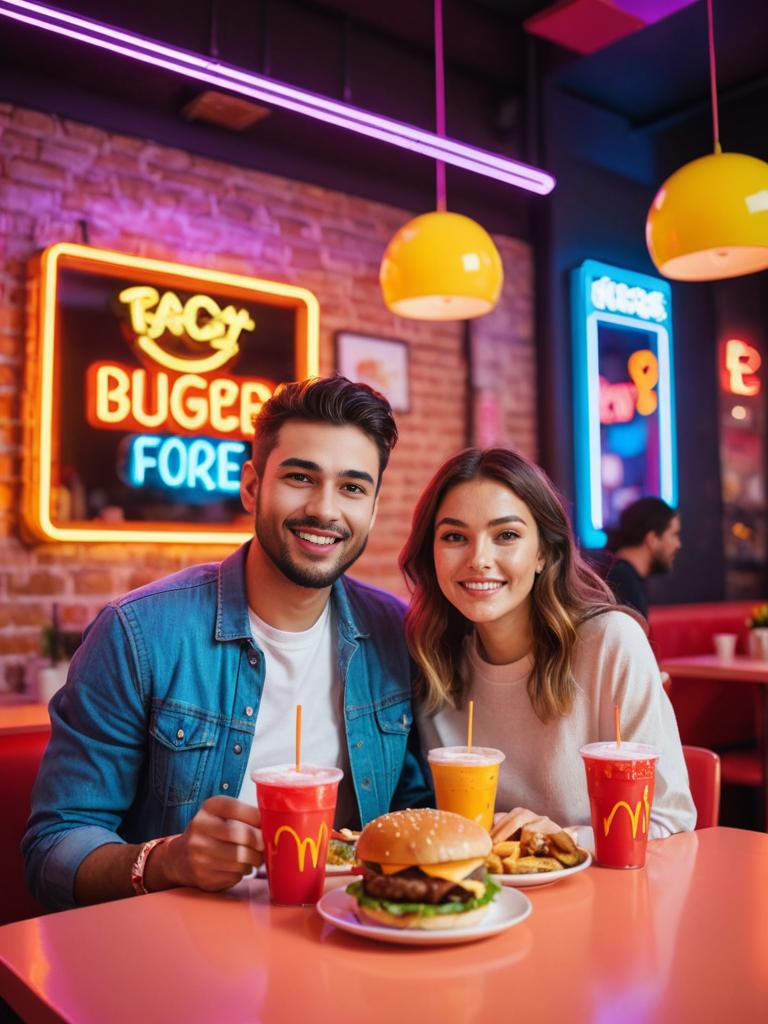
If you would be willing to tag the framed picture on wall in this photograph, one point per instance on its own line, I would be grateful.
(380, 362)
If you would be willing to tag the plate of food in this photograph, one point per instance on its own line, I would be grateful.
(509, 908)
(530, 851)
(341, 852)
(423, 882)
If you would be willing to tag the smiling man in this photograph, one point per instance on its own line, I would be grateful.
(182, 688)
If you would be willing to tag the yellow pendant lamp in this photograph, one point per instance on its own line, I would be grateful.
(709, 220)
(441, 265)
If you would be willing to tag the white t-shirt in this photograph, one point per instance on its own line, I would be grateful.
(301, 668)
(613, 664)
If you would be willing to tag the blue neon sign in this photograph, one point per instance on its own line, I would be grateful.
(211, 468)
(625, 443)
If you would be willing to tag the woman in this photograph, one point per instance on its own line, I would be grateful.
(505, 611)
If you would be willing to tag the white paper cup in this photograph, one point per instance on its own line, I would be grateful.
(725, 645)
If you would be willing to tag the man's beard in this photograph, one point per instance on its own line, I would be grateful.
(317, 577)
(659, 566)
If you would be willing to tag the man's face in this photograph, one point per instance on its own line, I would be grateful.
(664, 547)
(316, 500)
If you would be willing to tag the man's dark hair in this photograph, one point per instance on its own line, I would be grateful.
(333, 400)
(637, 519)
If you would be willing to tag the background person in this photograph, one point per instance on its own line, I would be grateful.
(183, 687)
(644, 544)
(504, 611)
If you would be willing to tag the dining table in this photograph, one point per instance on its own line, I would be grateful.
(734, 671)
(682, 939)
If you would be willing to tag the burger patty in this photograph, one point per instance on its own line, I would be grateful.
(413, 886)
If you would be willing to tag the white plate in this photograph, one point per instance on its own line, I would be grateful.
(508, 908)
(339, 869)
(545, 878)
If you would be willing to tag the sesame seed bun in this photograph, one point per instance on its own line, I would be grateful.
(422, 836)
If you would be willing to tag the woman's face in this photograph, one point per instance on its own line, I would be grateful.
(486, 551)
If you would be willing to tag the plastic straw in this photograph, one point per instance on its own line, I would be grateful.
(469, 726)
(298, 737)
(617, 711)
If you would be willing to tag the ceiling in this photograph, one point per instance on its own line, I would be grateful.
(380, 57)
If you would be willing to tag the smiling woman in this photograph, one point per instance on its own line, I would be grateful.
(486, 567)
(505, 612)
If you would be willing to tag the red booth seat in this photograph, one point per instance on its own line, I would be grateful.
(20, 755)
(709, 714)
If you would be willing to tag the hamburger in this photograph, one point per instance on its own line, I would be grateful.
(423, 869)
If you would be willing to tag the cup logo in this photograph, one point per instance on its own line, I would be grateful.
(634, 816)
(314, 845)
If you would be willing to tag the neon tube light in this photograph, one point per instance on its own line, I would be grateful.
(279, 94)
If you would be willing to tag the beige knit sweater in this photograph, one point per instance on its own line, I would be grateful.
(543, 771)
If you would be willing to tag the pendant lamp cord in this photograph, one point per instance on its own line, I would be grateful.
(439, 101)
(713, 78)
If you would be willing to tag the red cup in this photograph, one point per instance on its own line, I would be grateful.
(297, 809)
(620, 783)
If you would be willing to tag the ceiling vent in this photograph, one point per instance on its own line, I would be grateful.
(219, 108)
(586, 26)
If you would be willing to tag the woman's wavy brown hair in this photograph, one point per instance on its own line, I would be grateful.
(564, 594)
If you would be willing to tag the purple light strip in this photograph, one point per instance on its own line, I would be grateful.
(322, 108)
(440, 103)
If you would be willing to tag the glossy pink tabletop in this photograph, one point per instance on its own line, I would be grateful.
(684, 940)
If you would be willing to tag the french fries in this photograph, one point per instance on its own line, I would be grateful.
(534, 853)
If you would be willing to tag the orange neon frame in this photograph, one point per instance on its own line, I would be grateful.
(41, 398)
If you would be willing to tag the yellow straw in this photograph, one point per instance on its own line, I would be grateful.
(617, 711)
(298, 737)
(469, 726)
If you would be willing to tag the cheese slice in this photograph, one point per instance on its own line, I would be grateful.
(451, 871)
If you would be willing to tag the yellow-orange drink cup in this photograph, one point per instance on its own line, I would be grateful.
(465, 781)
(297, 809)
(620, 784)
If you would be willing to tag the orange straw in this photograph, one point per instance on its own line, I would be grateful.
(469, 726)
(298, 737)
(617, 711)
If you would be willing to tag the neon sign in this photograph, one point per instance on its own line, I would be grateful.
(144, 380)
(120, 397)
(624, 407)
(620, 402)
(176, 462)
(219, 329)
(740, 365)
(620, 297)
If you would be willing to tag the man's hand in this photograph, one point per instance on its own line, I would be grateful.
(222, 843)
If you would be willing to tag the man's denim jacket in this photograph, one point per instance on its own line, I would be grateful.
(159, 710)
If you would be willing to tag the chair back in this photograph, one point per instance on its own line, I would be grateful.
(704, 778)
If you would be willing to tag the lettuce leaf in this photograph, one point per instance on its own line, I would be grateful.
(422, 909)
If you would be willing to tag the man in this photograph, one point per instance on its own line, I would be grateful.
(181, 688)
(645, 543)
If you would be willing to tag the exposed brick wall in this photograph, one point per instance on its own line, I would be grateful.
(139, 197)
